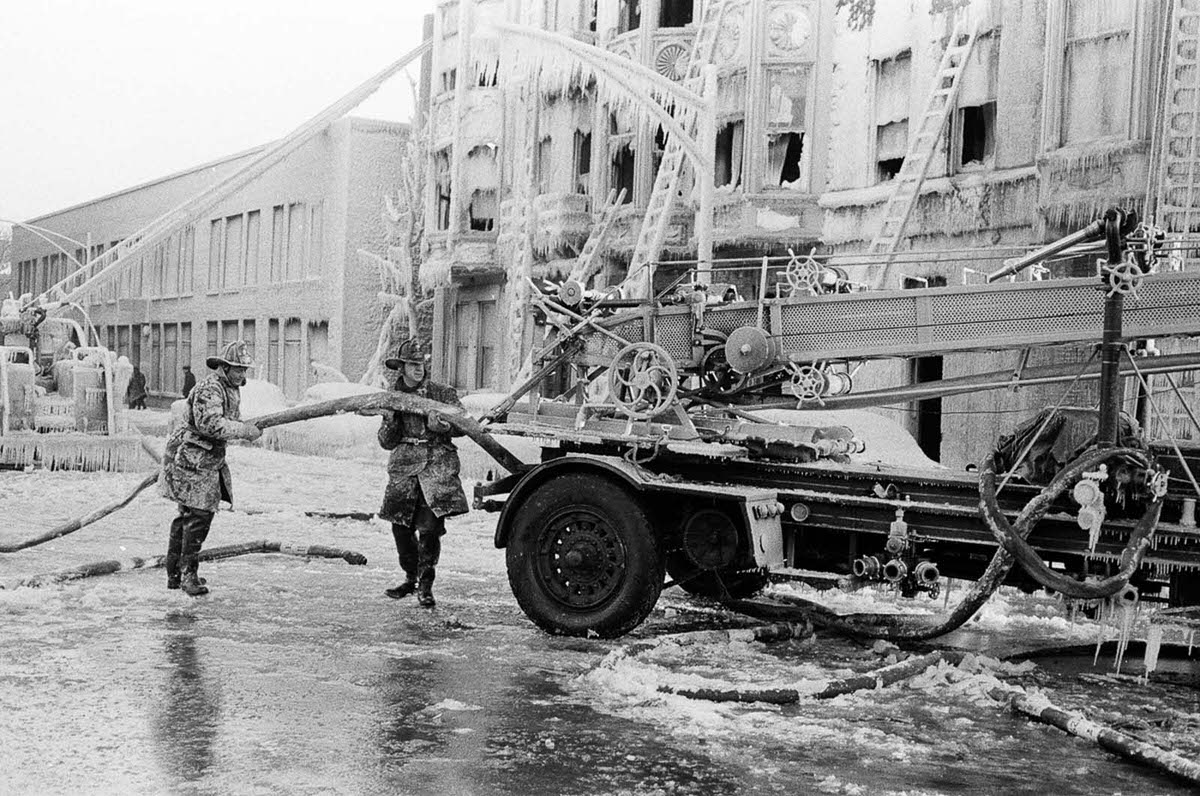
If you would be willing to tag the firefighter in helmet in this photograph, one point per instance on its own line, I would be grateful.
(194, 472)
(423, 484)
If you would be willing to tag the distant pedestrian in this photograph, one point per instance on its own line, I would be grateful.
(135, 395)
(189, 380)
(423, 484)
(194, 472)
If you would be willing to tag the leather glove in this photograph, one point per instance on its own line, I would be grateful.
(436, 423)
(251, 431)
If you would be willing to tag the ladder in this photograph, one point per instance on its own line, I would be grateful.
(1178, 129)
(520, 268)
(585, 264)
(666, 181)
(111, 264)
(922, 142)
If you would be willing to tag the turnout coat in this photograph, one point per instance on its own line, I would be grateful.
(194, 472)
(422, 463)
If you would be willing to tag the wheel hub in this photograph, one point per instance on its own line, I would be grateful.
(581, 559)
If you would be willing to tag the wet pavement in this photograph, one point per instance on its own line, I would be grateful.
(298, 676)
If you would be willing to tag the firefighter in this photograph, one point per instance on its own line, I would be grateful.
(423, 485)
(194, 472)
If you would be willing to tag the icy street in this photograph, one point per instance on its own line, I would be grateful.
(299, 676)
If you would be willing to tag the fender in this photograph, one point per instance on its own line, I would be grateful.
(611, 466)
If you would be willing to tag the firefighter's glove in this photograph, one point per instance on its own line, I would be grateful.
(251, 431)
(436, 423)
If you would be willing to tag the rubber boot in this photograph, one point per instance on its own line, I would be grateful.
(174, 552)
(190, 583)
(425, 588)
(403, 590)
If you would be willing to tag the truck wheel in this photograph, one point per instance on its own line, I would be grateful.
(583, 559)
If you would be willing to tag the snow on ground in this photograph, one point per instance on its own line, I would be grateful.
(298, 676)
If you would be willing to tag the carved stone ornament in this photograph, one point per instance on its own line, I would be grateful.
(672, 61)
(729, 39)
(789, 28)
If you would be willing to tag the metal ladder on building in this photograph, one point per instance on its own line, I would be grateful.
(585, 264)
(1177, 199)
(111, 264)
(922, 143)
(666, 181)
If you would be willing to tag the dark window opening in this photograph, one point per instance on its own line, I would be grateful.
(929, 410)
(449, 79)
(544, 166)
(926, 369)
(593, 9)
(660, 146)
(489, 78)
(583, 161)
(629, 16)
(730, 139)
(482, 211)
(977, 143)
(675, 13)
(889, 168)
(442, 183)
(783, 155)
(622, 171)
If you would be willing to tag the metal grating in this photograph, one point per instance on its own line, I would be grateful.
(842, 324)
(727, 319)
(674, 333)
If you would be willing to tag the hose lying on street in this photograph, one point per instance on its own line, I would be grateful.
(1040, 709)
(98, 568)
(877, 678)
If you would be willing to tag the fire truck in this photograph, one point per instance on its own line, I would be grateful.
(657, 470)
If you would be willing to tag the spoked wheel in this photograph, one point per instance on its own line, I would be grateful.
(583, 559)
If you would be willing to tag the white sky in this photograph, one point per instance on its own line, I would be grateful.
(100, 95)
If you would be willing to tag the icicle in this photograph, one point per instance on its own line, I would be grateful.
(1153, 643)
(1191, 642)
(1127, 614)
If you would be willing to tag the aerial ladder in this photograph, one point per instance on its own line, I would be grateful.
(110, 265)
(922, 143)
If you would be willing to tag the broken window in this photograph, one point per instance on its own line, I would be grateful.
(629, 15)
(544, 165)
(583, 162)
(976, 143)
(786, 122)
(449, 79)
(441, 168)
(891, 142)
(623, 170)
(1097, 52)
(893, 78)
(730, 146)
(675, 13)
(482, 211)
(660, 146)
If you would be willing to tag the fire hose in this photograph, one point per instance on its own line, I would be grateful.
(1012, 536)
(98, 568)
(396, 401)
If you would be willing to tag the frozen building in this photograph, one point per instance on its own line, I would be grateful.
(273, 264)
(499, 141)
(1057, 114)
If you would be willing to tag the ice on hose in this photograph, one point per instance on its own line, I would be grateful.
(341, 436)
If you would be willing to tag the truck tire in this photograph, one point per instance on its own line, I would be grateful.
(583, 559)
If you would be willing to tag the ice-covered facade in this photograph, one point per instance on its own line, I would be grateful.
(1053, 122)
